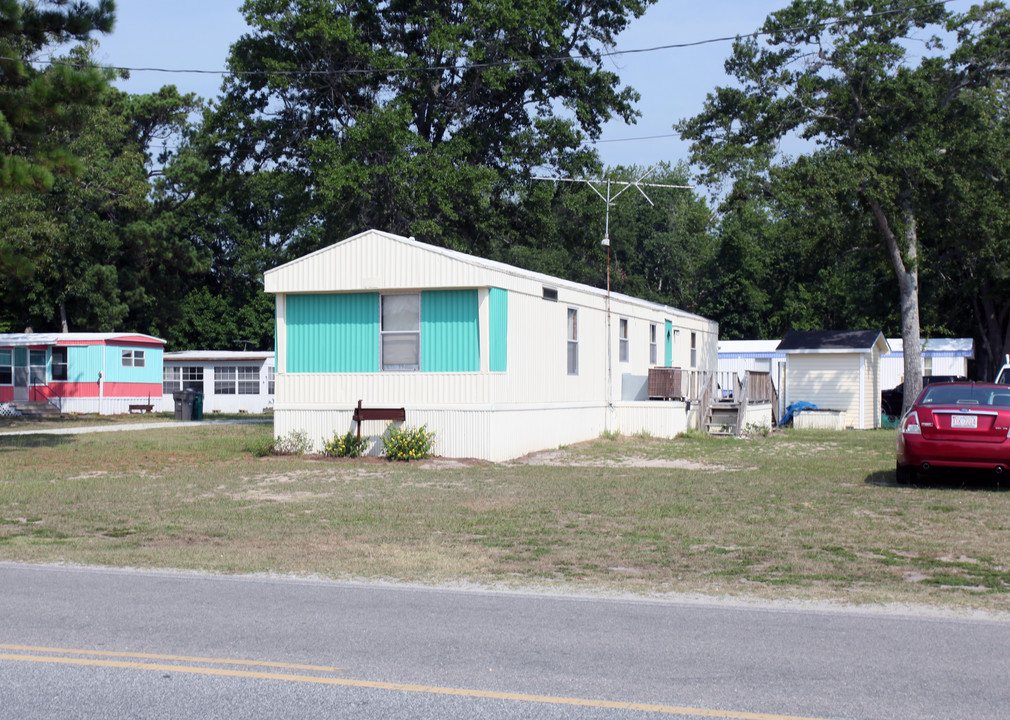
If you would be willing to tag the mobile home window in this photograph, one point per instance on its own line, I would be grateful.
(133, 358)
(694, 350)
(6, 367)
(573, 341)
(59, 363)
(192, 378)
(224, 380)
(400, 332)
(622, 330)
(171, 380)
(37, 365)
(248, 381)
(270, 380)
(653, 345)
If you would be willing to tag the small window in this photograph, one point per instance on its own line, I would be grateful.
(248, 381)
(694, 350)
(37, 365)
(224, 380)
(192, 378)
(573, 341)
(622, 332)
(653, 344)
(171, 380)
(400, 332)
(6, 367)
(270, 380)
(551, 294)
(59, 363)
(133, 358)
(927, 366)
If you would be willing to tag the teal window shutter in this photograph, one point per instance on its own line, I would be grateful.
(450, 339)
(333, 332)
(499, 329)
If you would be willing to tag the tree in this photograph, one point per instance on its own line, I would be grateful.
(102, 256)
(413, 117)
(838, 73)
(37, 107)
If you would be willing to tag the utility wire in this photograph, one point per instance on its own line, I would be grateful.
(481, 65)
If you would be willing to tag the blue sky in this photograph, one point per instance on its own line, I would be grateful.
(196, 35)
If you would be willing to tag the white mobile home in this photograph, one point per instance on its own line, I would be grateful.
(836, 371)
(231, 381)
(939, 356)
(497, 360)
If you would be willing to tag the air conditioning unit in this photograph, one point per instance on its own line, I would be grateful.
(667, 383)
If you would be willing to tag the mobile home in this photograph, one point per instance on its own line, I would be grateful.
(497, 360)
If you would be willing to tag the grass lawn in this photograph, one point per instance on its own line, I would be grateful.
(798, 515)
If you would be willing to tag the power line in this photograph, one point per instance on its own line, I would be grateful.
(482, 65)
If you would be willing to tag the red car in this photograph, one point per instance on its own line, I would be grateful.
(955, 425)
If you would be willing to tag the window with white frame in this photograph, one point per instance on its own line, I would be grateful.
(622, 334)
(653, 344)
(192, 378)
(59, 359)
(248, 381)
(6, 367)
(224, 380)
(270, 379)
(927, 365)
(133, 358)
(694, 350)
(171, 380)
(400, 332)
(573, 341)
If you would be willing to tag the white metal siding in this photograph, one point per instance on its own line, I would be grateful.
(828, 380)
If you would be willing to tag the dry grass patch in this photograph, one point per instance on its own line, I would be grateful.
(793, 515)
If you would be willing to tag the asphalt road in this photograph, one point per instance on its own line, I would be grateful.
(96, 643)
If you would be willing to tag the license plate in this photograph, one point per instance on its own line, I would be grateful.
(964, 421)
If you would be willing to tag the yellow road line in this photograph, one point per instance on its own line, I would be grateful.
(179, 658)
(405, 687)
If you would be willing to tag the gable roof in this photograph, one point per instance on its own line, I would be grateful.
(363, 262)
(832, 341)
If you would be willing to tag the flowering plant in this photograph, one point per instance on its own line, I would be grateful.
(348, 445)
(407, 443)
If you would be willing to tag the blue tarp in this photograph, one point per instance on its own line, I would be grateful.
(795, 409)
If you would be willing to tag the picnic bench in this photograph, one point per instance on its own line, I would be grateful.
(363, 413)
(142, 408)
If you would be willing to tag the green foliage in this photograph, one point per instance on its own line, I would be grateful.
(346, 445)
(38, 108)
(407, 443)
(295, 442)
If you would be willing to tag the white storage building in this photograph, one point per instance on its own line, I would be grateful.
(231, 381)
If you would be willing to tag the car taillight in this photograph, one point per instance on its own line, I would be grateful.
(910, 424)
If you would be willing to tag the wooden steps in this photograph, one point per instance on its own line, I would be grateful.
(36, 410)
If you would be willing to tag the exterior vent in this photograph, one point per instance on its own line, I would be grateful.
(551, 294)
(666, 383)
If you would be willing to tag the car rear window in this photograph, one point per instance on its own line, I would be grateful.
(966, 395)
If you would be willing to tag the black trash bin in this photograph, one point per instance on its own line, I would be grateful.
(184, 404)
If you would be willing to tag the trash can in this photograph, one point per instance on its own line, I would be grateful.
(184, 404)
(198, 406)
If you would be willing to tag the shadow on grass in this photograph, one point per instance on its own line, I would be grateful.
(944, 479)
(13, 443)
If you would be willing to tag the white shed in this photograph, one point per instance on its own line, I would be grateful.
(231, 381)
(497, 360)
(836, 371)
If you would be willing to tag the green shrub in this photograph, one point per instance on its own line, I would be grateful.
(295, 442)
(349, 445)
(407, 443)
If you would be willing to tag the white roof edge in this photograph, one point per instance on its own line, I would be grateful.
(494, 265)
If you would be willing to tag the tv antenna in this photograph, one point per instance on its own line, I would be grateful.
(610, 198)
(610, 185)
